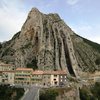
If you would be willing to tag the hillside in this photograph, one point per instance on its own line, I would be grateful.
(46, 42)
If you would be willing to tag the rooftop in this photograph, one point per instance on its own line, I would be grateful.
(40, 72)
(4, 65)
(55, 72)
(7, 71)
(24, 69)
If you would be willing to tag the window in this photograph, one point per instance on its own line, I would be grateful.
(61, 80)
(55, 75)
(48, 76)
(65, 80)
(65, 76)
(61, 76)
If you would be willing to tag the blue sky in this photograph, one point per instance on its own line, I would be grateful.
(83, 16)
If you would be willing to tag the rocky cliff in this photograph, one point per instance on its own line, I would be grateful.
(46, 42)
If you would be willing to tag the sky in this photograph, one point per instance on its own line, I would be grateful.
(83, 16)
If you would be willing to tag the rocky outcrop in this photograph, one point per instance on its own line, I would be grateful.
(87, 53)
(47, 43)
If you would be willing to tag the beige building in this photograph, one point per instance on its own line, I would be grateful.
(54, 78)
(7, 77)
(46, 78)
(23, 75)
(29, 76)
(6, 67)
(50, 78)
(97, 76)
(37, 77)
(0, 76)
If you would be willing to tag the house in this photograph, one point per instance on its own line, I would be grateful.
(23, 75)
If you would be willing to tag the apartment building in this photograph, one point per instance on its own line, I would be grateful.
(46, 78)
(7, 77)
(23, 75)
(62, 77)
(6, 73)
(29, 76)
(37, 77)
(0, 76)
(6, 67)
(54, 78)
(97, 76)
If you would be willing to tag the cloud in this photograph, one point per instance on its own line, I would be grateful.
(12, 18)
(72, 2)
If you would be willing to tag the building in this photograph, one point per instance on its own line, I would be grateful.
(46, 78)
(6, 67)
(29, 76)
(62, 77)
(7, 77)
(97, 76)
(54, 78)
(37, 77)
(0, 76)
(23, 75)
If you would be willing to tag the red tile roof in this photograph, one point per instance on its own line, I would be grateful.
(24, 69)
(55, 72)
(5, 65)
(0, 72)
(39, 72)
(12, 71)
(8, 71)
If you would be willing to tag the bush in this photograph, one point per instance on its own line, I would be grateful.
(6, 92)
(96, 90)
(85, 95)
(92, 93)
(33, 64)
(49, 94)
(0, 45)
(97, 61)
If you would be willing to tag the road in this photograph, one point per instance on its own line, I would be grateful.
(32, 91)
(32, 94)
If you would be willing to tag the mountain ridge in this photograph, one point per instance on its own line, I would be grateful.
(47, 43)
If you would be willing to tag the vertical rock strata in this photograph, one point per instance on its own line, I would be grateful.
(47, 39)
(46, 42)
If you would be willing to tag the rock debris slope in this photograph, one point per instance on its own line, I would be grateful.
(46, 42)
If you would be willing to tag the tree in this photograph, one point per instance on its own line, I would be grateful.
(33, 64)
(0, 45)
(97, 61)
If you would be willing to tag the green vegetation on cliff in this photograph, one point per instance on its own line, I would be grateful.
(96, 46)
(10, 93)
(49, 94)
(92, 93)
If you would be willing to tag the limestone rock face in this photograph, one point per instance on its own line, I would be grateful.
(46, 42)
